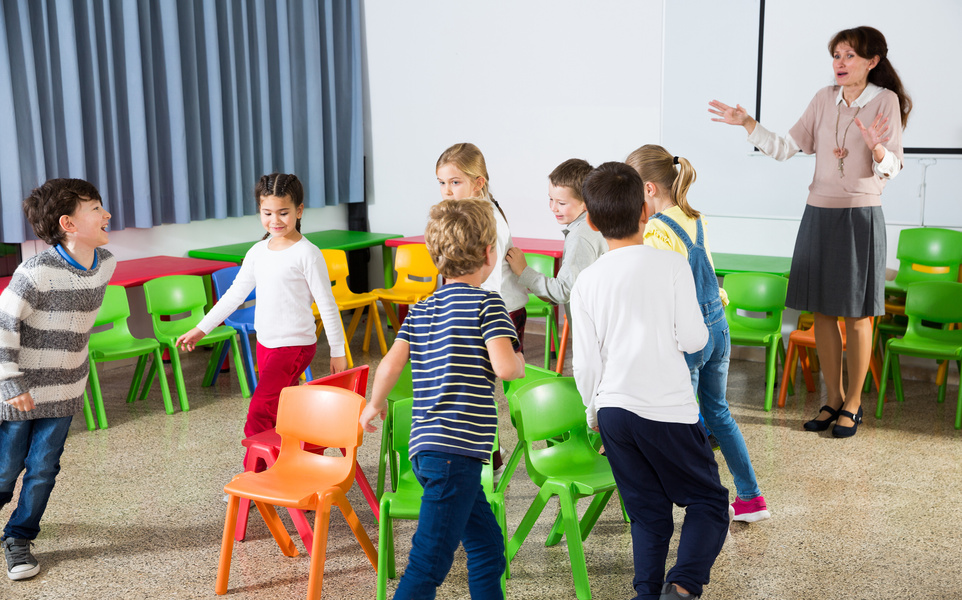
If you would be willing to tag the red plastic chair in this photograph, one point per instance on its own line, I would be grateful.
(264, 447)
(323, 416)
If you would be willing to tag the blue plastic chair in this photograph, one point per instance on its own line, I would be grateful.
(242, 320)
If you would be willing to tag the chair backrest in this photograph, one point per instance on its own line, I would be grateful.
(114, 310)
(352, 379)
(402, 417)
(757, 293)
(174, 295)
(223, 279)
(413, 260)
(542, 263)
(511, 388)
(404, 388)
(337, 271)
(552, 408)
(323, 416)
(928, 254)
(935, 302)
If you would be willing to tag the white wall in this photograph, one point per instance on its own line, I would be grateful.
(712, 54)
(532, 83)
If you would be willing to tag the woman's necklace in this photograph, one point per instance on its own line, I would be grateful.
(840, 150)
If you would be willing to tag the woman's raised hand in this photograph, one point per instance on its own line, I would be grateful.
(730, 115)
(875, 134)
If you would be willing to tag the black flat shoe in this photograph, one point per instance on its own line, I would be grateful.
(844, 432)
(816, 425)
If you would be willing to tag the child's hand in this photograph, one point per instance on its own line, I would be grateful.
(516, 261)
(189, 340)
(338, 364)
(368, 414)
(23, 402)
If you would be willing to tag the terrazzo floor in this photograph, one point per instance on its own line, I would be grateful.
(138, 509)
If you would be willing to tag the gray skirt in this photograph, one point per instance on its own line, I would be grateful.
(838, 267)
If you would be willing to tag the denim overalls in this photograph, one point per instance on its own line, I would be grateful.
(709, 367)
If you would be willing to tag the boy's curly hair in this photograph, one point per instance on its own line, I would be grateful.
(458, 235)
(55, 198)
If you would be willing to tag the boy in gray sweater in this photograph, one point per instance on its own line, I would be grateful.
(46, 314)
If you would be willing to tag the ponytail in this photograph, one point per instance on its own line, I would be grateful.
(655, 164)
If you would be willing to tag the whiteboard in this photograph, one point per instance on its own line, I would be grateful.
(921, 38)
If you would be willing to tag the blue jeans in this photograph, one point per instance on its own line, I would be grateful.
(36, 446)
(448, 517)
(656, 465)
(709, 377)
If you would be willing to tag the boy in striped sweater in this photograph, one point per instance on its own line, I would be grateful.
(458, 341)
(46, 314)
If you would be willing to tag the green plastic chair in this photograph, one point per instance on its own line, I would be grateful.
(178, 294)
(531, 374)
(536, 307)
(570, 469)
(758, 293)
(118, 343)
(404, 388)
(927, 302)
(405, 501)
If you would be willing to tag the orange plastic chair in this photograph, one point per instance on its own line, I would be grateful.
(805, 338)
(308, 414)
(263, 448)
(417, 278)
(347, 300)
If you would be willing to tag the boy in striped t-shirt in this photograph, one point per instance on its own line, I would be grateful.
(458, 341)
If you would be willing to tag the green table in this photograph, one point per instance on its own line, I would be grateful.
(751, 263)
(331, 239)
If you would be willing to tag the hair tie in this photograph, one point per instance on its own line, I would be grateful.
(674, 160)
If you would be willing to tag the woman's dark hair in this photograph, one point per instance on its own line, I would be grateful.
(280, 184)
(868, 43)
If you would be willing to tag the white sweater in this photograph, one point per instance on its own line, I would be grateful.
(635, 315)
(287, 282)
(502, 278)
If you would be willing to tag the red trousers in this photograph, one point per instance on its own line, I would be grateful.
(278, 368)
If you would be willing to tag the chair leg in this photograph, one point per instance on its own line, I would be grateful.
(372, 311)
(97, 394)
(576, 551)
(355, 524)
(530, 517)
(883, 382)
(88, 414)
(158, 367)
(897, 377)
(137, 379)
(213, 365)
(510, 467)
(249, 362)
(276, 527)
(591, 516)
(215, 374)
(149, 380)
(942, 385)
(786, 374)
(322, 519)
(384, 455)
(385, 549)
(807, 368)
(239, 367)
(562, 347)
(355, 321)
(226, 546)
(391, 315)
(178, 377)
(771, 356)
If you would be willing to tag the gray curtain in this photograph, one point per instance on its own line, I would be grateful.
(174, 108)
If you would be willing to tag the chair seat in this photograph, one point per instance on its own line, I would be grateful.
(743, 336)
(119, 350)
(588, 478)
(352, 300)
(400, 296)
(284, 487)
(924, 348)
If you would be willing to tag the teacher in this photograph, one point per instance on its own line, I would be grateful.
(838, 267)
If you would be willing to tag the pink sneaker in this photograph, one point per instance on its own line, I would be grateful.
(752, 510)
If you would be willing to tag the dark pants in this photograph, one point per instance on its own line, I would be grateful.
(657, 465)
(454, 510)
(33, 446)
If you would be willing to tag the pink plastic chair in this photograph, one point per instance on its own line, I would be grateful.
(263, 449)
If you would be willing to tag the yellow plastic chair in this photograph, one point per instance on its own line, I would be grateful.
(417, 278)
(347, 300)
(306, 415)
(118, 343)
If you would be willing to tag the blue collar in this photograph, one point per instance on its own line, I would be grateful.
(72, 262)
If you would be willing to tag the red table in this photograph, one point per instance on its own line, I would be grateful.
(136, 272)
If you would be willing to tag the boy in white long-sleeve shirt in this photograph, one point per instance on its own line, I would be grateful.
(635, 314)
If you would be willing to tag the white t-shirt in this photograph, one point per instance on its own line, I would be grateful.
(287, 282)
(502, 278)
(635, 315)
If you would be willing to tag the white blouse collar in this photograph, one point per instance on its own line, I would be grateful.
(868, 94)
